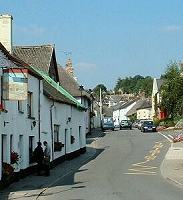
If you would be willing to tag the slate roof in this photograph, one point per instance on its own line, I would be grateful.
(123, 105)
(140, 104)
(39, 59)
(57, 92)
(115, 98)
(53, 93)
(70, 84)
(18, 62)
(145, 104)
(36, 56)
(107, 111)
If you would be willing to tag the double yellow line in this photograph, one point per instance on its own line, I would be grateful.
(141, 168)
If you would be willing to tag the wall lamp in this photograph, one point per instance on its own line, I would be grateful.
(68, 120)
(33, 124)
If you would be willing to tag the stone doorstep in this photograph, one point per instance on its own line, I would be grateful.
(24, 194)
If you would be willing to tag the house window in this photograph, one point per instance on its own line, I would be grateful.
(4, 149)
(30, 104)
(56, 133)
(31, 148)
(57, 144)
(20, 106)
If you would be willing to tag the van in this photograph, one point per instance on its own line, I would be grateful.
(107, 123)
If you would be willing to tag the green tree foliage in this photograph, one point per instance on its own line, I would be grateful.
(135, 85)
(96, 90)
(171, 91)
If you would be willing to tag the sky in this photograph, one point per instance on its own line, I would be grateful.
(106, 39)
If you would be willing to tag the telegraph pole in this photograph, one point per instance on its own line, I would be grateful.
(100, 104)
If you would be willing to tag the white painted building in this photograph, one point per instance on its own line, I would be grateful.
(69, 83)
(157, 83)
(43, 116)
(49, 113)
(144, 113)
(120, 112)
(142, 109)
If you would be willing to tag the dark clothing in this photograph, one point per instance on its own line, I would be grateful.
(38, 157)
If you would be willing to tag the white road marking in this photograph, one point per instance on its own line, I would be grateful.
(142, 170)
(138, 173)
(166, 137)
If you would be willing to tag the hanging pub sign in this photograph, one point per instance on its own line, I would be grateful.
(15, 84)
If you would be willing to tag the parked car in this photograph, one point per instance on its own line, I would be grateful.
(148, 125)
(107, 123)
(124, 124)
(135, 124)
(140, 124)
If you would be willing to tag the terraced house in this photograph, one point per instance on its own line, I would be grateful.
(46, 112)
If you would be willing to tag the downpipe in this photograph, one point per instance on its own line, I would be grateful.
(51, 126)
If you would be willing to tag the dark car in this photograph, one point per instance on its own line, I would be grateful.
(107, 123)
(148, 125)
(125, 124)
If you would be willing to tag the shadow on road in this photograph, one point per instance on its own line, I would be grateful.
(98, 133)
(62, 175)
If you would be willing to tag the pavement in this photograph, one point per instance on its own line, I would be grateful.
(32, 186)
(172, 165)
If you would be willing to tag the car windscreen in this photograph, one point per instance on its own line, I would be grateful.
(148, 122)
(108, 120)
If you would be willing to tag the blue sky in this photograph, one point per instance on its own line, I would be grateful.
(108, 38)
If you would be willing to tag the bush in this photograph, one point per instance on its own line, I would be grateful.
(167, 122)
(156, 121)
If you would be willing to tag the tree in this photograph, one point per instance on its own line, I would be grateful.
(171, 92)
(134, 85)
(96, 90)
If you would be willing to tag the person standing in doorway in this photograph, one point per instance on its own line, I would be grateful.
(38, 155)
(47, 155)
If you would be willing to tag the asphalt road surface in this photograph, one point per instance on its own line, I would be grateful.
(127, 167)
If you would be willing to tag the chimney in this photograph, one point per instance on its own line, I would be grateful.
(6, 31)
(69, 69)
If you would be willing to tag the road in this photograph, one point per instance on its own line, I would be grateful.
(127, 167)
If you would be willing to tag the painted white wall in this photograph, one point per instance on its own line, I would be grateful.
(120, 114)
(96, 121)
(85, 103)
(18, 124)
(155, 91)
(116, 119)
(60, 116)
(145, 113)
